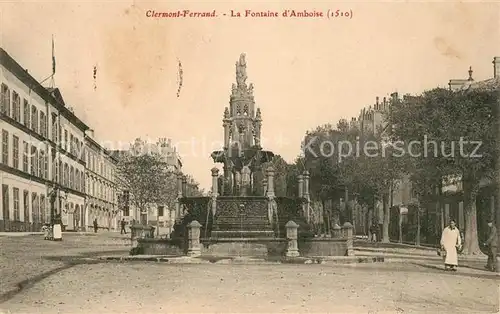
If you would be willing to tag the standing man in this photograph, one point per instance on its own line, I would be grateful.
(450, 243)
(492, 244)
(95, 225)
(373, 232)
(123, 223)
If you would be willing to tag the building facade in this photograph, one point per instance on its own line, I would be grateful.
(100, 185)
(42, 144)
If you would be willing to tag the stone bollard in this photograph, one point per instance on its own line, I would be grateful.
(292, 249)
(348, 230)
(194, 248)
(337, 231)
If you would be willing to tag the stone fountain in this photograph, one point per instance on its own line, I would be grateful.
(243, 216)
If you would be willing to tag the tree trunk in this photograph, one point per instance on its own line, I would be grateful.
(400, 225)
(417, 240)
(387, 217)
(471, 244)
(369, 221)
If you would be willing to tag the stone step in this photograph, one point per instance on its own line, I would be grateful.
(242, 222)
(239, 227)
(242, 234)
(245, 218)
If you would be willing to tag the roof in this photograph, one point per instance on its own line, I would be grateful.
(492, 84)
(52, 95)
(109, 153)
(57, 94)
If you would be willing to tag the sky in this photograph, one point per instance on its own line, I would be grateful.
(306, 71)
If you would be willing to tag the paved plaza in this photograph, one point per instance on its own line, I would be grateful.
(66, 279)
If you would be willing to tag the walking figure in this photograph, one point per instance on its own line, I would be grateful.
(492, 245)
(450, 243)
(123, 223)
(95, 225)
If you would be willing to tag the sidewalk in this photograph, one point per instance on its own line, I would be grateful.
(424, 256)
(87, 233)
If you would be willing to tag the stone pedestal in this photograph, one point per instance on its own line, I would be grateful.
(194, 247)
(348, 230)
(292, 249)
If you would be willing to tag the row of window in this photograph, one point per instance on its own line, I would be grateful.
(98, 165)
(36, 120)
(38, 166)
(39, 159)
(39, 213)
(100, 190)
(31, 118)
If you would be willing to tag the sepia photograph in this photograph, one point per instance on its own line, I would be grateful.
(249, 157)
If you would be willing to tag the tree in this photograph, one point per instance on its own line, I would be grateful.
(148, 179)
(457, 121)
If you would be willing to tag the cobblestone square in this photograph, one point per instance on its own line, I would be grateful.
(80, 286)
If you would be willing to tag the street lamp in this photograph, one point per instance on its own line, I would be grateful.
(54, 194)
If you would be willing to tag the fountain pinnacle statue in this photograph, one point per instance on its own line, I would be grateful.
(241, 71)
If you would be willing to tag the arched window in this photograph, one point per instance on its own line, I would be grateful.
(66, 174)
(72, 177)
(77, 179)
(61, 172)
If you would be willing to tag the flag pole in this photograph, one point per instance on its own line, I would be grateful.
(53, 66)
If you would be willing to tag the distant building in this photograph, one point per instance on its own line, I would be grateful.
(42, 144)
(101, 188)
(159, 213)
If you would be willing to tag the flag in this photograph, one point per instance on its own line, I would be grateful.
(53, 58)
(179, 78)
(95, 77)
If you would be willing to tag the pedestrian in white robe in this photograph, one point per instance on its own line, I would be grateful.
(450, 242)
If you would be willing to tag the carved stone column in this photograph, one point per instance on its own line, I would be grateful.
(258, 126)
(237, 183)
(264, 186)
(306, 184)
(184, 193)
(257, 180)
(306, 195)
(270, 181)
(215, 185)
(184, 186)
(226, 124)
(179, 196)
(300, 180)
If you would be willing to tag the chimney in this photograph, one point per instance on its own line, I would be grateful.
(496, 67)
